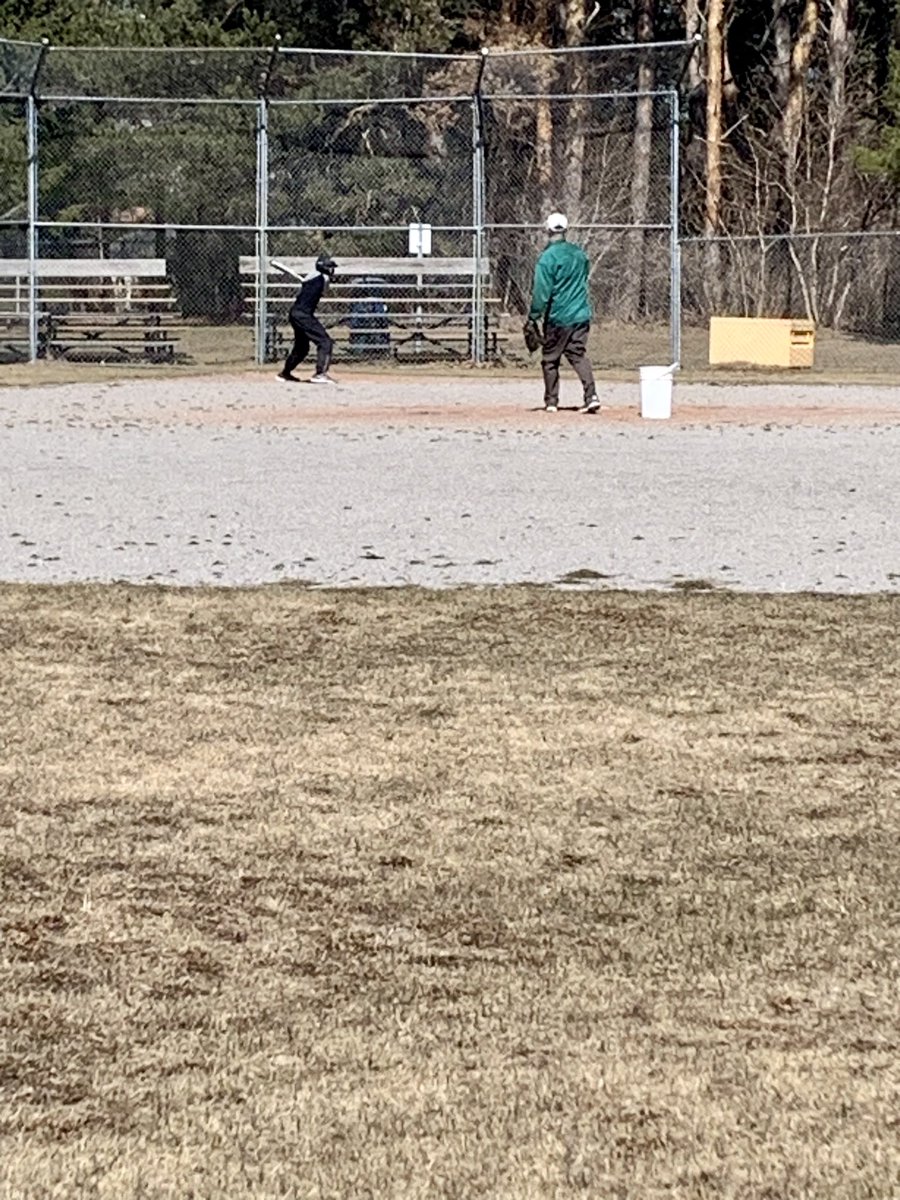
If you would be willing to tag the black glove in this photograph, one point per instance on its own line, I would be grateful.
(532, 336)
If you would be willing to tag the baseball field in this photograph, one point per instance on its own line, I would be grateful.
(565, 866)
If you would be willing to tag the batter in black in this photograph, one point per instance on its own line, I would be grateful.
(308, 329)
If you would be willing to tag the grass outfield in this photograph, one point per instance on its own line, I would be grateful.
(505, 893)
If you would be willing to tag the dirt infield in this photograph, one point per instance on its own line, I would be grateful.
(467, 397)
(478, 413)
(449, 479)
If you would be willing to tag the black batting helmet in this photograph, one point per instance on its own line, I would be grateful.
(325, 265)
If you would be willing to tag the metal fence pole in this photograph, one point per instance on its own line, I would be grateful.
(262, 229)
(479, 327)
(262, 206)
(32, 135)
(675, 232)
(477, 305)
(33, 202)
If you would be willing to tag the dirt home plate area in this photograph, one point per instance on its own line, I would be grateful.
(449, 479)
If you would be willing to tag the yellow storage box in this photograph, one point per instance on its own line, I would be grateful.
(761, 341)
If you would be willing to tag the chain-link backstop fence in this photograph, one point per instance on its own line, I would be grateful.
(144, 193)
(172, 177)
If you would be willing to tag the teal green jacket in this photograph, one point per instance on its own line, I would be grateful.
(560, 292)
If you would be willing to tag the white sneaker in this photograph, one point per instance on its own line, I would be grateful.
(323, 379)
(592, 405)
(550, 408)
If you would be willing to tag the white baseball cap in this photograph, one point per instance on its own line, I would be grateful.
(557, 222)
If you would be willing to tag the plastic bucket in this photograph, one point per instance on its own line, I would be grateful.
(656, 392)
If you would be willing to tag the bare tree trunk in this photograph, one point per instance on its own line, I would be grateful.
(792, 127)
(576, 113)
(781, 68)
(544, 111)
(729, 87)
(838, 57)
(715, 66)
(644, 14)
(691, 29)
(795, 109)
(782, 265)
(544, 145)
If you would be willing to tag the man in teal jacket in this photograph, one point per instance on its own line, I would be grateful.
(560, 305)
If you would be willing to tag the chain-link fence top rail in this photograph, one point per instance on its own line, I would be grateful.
(285, 73)
(593, 70)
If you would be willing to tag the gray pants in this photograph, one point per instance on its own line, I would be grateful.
(571, 341)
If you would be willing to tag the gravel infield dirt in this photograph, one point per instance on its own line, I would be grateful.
(439, 480)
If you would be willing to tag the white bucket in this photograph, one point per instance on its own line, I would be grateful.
(656, 392)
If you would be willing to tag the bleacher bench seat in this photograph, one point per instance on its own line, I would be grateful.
(92, 309)
(411, 308)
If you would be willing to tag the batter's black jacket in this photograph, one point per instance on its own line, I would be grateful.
(309, 296)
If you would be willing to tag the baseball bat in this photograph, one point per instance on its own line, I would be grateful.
(279, 266)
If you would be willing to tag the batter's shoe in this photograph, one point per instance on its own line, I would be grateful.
(591, 405)
(323, 379)
(287, 378)
(550, 408)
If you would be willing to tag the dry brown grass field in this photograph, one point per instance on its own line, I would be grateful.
(507, 893)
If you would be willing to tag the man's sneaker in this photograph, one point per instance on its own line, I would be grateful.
(550, 408)
(322, 379)
(592, 405)
(285, 378)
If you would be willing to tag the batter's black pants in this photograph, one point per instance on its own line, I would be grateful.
(308, 330)
(571, 341)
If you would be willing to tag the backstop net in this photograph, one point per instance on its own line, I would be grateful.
(428, 175)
